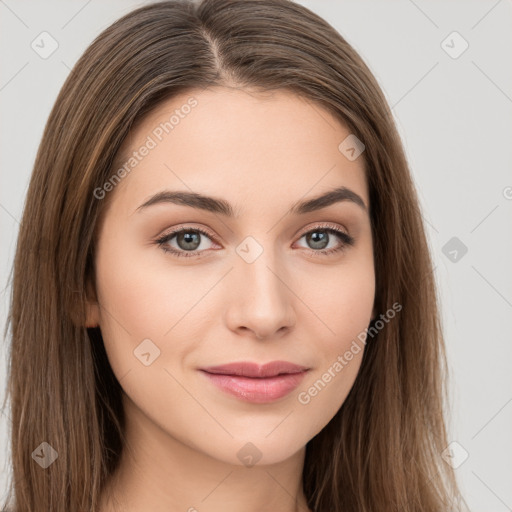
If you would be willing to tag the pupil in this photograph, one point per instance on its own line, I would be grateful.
(190, 240)
(318, 239)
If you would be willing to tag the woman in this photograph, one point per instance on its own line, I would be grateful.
(222, 295)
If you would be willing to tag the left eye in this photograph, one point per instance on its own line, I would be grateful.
(320, 237)
(188, 241)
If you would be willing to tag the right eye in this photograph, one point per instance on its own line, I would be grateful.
(188, 240)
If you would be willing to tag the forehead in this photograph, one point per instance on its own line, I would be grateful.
(248, 147)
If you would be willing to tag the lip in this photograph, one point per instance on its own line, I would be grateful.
(256, 383)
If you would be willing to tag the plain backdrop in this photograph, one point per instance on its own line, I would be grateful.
(445, 68)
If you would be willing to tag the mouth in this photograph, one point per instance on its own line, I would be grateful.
(254, 383)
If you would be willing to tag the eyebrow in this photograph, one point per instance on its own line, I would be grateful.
(221, 206)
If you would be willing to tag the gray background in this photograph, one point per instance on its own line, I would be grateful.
(454, 116)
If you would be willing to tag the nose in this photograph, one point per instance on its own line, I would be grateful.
(261, 300)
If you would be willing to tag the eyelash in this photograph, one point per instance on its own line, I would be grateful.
(347, 241)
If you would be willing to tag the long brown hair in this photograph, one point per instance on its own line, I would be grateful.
(383, 449)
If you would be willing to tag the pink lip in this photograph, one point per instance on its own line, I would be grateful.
(254, 383)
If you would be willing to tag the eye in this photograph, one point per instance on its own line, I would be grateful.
(187, 239)
(321, 236)
(189, 243)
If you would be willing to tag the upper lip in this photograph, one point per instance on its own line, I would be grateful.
(248, 369)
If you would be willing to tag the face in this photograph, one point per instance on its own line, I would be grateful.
(184, 283)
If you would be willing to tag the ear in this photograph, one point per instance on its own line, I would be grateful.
(92, 306)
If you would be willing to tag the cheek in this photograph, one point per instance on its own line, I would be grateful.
(348, 312)
(131, 296)
(138, 292)
(129, 293)
(342, 298)
(339, 359)
(344, 306)
(143, 298)
(322, 395)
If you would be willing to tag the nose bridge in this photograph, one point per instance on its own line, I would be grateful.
(261, 298)
(258, 264)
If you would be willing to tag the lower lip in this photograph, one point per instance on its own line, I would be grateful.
(257, 390)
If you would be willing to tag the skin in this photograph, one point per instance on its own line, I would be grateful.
(261, 153)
